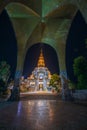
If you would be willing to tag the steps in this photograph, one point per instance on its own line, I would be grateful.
(40, 96)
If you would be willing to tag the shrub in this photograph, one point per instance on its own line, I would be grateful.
(80, 70)
(4, 76)
(55, 82)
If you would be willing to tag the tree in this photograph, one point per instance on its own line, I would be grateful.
(4, 71)
(4, 76)
(80, 70)
(55, 81)
(80, 66)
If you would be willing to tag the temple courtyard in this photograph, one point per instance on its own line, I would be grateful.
(43, 114)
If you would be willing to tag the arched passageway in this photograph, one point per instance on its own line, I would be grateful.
(75, 45)
(30, 27)
(40, 63)
(51, 59)
(8, 43)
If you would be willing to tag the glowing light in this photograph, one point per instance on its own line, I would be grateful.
(19, 108)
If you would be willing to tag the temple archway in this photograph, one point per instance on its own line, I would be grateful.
(48, 24)
(40, 63)
(31, 59)
(8, 43)
(75, 44)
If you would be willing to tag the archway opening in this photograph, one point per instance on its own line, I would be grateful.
(40, 63)
(32, 56)
(8, 43)
(75, 45)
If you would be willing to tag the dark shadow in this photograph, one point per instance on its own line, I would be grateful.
(8, 43)
(75, 45)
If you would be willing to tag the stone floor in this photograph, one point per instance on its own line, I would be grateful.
(42, 115)
(40, 95)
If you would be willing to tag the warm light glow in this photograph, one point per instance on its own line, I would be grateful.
(39, 79)
(41, 62)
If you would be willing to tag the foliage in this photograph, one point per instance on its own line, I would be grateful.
(80, 66)
(4, 76)
(55, 81)
(82, 81)
(80, 70)
(72, 85)
(4, 71)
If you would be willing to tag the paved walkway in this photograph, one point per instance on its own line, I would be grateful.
(39, 95)
(42, 115)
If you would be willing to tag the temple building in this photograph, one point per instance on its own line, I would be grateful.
(40, 77)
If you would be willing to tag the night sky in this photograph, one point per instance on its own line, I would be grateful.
(33, 53)
(76, 43)
(8, 43)
(75, 47)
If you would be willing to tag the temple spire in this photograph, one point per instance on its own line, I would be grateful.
(41, 62)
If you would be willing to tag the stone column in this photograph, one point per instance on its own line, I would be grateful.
(66, 93)
(64, 83)
(15, 95)
(61, 36)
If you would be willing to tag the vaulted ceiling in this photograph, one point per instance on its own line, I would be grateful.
(45, 21)
(39, 20)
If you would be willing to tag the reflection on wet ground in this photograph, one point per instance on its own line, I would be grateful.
(42, 115)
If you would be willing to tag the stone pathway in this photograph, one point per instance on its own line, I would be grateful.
(43, 96)
(42, 115)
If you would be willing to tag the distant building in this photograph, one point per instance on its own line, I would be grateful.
(40, 77)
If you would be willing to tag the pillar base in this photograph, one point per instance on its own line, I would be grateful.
(15, 95)
(67, 96)
(66, 93)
